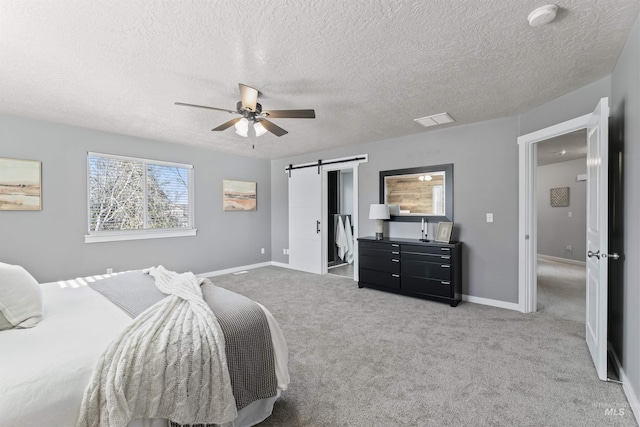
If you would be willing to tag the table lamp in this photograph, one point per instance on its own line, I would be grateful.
(379, 213)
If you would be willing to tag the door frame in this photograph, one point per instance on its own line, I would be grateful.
(527, 212)
(353, 166)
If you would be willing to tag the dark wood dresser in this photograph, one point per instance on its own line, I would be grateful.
(412, 267)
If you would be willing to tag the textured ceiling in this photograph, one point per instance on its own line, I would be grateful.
(563, 148)
(368, 68)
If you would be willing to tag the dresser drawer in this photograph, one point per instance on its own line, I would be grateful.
(380, 253)
(379, 245)
(435, 250)
(440, 288)
(377, 278)
(429, 270)
(426, 257)
(388, 265)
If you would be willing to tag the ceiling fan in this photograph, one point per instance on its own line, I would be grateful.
(251, 111)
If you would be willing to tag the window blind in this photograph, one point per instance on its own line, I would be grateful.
(128, 194)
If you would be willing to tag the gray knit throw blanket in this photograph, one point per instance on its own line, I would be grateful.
(169, 363)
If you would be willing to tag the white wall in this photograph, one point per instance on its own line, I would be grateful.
(556, 229)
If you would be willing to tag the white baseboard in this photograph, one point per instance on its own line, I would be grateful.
(492, 302)
(564, 260)
(468, 298)
(281, 264)
(634, 402)
(235, 269)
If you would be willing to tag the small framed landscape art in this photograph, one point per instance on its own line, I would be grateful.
(443, 234)
(20, 185)
(238, 195)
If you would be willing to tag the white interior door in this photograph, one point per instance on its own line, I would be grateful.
(305, 215)
(597, 236)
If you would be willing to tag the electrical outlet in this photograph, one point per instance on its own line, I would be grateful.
(109, 270)
(570, 214)
(261, 250)
(569, 248)
(489, 217)
(284, 251)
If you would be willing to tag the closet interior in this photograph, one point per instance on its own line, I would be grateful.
(340, 227)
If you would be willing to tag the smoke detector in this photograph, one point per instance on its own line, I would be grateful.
(543, 15)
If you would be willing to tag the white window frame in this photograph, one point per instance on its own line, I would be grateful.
(118, 235)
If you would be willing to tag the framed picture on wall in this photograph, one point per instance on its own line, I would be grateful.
(443, 234)
(238, 195)
(559, 197)
(20, 185)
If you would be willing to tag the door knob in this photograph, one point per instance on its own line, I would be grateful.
(591, 254)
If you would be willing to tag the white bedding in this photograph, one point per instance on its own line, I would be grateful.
(45, 370)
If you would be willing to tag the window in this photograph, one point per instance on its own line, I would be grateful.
(133, 198)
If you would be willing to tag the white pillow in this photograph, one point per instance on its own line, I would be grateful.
(20, 298)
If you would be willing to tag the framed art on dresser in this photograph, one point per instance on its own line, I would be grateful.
(444, 232)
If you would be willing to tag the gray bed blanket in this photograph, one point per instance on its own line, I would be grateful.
(248, 345)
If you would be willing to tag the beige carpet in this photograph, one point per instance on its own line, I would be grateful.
(361, 357)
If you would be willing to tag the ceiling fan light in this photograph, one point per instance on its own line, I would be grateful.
(242, 127)
(260, 130)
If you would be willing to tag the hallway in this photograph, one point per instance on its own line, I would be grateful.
(562, 289)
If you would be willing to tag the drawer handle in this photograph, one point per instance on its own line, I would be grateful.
(395, 260)
(395, 275)
(395, 253)
(445, 257)
(395, 246)
(446, 283)
(445, 249)
(445, 266)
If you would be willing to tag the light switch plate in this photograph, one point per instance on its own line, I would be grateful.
(489, 217)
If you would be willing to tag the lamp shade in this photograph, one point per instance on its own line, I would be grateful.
(379, 212)
(260, 130)
(242, 127)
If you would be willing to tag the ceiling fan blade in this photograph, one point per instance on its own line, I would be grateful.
(208, 108)
(291, 114)
(273, 128)
(248, 96)
(228, 124)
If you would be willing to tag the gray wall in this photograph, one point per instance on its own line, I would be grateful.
(625, 103)
(566, 107)
(50, 243)
(485, 161)
(556, 230)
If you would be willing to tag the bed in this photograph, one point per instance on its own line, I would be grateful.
(45, 369)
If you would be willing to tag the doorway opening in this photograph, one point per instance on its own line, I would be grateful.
(340, 237)
(561, 207)
(597, 227)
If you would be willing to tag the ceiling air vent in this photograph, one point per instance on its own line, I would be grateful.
(436, 119)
